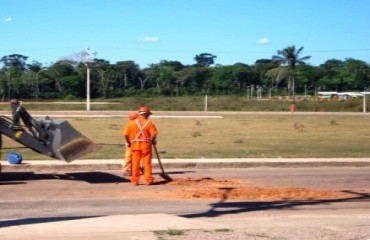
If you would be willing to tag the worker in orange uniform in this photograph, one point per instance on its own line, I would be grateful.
(140, 134)
(128, 155)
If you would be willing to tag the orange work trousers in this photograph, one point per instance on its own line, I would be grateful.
(144, 157)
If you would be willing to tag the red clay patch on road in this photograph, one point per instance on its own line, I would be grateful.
(208, 188)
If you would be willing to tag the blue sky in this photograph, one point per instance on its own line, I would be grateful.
(148, 31)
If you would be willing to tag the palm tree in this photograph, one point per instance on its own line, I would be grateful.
(290, 57)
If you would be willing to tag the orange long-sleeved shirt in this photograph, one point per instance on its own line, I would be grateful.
(138, 141)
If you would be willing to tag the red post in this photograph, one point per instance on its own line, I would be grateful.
(293, 107)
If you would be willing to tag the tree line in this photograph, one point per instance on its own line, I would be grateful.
(285, 74)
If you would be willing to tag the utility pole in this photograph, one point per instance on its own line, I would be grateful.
(87, 87)
(206, 104)
(87, 59)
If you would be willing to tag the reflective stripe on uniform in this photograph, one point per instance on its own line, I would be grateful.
(141, 132)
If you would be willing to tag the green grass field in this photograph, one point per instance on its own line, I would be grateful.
(258, 136)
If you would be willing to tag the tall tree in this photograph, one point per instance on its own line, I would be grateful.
(359, 74)
(261, 67)
(290, 57)
(276, 76)
(14, 65)
(15, 61)
(127, 72)
(64, 74)
(176, 65)
(307, 76)
(205, 59)
(329, 72)
(34, 71)
(105, 76)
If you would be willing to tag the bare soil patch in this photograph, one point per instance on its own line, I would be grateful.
(209, 188)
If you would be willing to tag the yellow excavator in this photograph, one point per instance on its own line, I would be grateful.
(51, 137)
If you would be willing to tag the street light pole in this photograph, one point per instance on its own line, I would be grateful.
(364, 100)
(87, 61)
(87, 87)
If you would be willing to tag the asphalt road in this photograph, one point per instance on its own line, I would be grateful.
(99, 193)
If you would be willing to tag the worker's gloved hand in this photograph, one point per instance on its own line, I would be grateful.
(128, 144)
(154, 141)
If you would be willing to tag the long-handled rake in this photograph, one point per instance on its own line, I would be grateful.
(163, 174)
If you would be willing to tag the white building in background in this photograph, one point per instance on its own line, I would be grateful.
(345, 95)
(327, 95)
(340, 95)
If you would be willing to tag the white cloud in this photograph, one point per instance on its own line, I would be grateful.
(8, 19)
(149, 39)
(263, 41)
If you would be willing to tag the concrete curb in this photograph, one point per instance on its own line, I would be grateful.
(116, 164)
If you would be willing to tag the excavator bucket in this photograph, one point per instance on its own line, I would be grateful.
(64, 141)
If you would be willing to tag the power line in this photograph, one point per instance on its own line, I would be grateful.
(186, 51)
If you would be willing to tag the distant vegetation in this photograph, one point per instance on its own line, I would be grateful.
(284, 75)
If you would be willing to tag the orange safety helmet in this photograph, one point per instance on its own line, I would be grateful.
(133, 115)
(145, 109)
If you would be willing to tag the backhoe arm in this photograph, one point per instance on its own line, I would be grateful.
(53, 138)
(21, 135)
